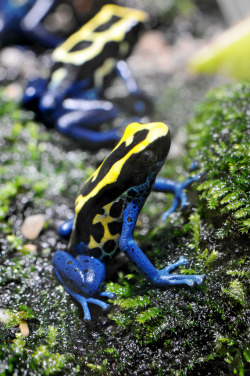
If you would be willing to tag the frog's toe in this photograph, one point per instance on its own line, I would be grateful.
(183, 261)
(189, 282)
(98, 302)
(107, 294)
(87, 316)
(200, 279)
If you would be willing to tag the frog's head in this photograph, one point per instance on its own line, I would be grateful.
(131, 167)
(147, 148)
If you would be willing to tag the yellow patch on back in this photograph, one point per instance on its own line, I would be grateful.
(101, 72)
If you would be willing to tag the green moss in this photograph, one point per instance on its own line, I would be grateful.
(16, 359)
(236, 291)
(219, 140)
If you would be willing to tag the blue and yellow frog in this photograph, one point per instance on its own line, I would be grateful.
(72, 99)
(21, 21)
(106, 211)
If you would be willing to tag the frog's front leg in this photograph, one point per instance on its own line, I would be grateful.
(138, 102)
(170, 186)
(82, 278)
(138, 258)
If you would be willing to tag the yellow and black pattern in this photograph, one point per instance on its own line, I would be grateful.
(108, 37)
(123, 176)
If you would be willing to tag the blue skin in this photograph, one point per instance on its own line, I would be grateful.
(67, 265)
(78, 110)
(23, 22)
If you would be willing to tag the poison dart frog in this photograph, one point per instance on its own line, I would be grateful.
(106, 211)
(73, 99)
(21, 21)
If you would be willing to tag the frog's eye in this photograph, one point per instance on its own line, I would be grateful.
(148, 158)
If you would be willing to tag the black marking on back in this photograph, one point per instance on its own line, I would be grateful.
(82, 45)
(105, 26)
(109, 246)
(116, 209)
(115, 227)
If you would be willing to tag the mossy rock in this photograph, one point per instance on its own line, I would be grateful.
(219, 140)
(151, 331)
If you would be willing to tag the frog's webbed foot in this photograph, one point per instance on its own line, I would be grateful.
(177, 189)
(82, 278)
(85, 305)
(165, 278)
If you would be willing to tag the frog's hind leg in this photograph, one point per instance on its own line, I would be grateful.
(81, 118)
(82, 278)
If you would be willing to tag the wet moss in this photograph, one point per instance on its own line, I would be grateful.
(219, 140)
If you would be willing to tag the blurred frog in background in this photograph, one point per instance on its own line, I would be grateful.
(72, 98)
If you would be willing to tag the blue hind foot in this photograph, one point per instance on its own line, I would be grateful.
(82, 278)
(84, 302)
(165, 278)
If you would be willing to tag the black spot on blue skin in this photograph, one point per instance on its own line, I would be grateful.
(75, 270)
(86, 271)
(69, 262)
(86, 260)
(109, 246)
(115, 227)
(129, 219)
(67, 269)
(116, 209)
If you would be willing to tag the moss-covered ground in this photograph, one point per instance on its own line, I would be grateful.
(150, 331)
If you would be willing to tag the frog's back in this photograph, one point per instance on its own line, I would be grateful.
(97, 46)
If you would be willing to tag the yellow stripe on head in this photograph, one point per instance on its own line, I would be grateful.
(155, 131)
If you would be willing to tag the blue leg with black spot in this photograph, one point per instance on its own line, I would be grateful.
(169, 186)
(82, 278)
(138, 258)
